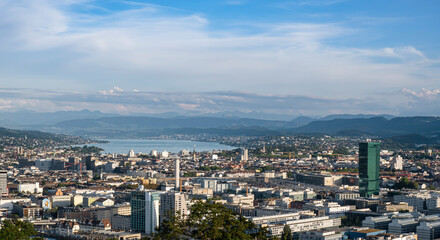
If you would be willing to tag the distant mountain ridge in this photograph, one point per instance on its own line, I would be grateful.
(375, 126)
(94, 123)
(380, 126)
(27, 118)
(169, 123)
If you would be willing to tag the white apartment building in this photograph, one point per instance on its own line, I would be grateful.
(30, 187)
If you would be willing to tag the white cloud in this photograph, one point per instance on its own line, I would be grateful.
(154, 48)
(424, 93)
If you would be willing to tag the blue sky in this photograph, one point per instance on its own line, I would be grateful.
(316, 57)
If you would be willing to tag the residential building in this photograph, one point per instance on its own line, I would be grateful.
(145, 211)
(172, 203)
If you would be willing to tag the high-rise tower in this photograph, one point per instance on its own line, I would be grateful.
(177, 173)
(172, 203)
(145, 211)
(369, 167)
(4, 183)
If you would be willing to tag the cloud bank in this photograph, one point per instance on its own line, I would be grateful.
(136, 102)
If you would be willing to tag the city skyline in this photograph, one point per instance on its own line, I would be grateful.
(299, 57)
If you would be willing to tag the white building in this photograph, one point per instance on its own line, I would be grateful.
(30, 187)
(153, 153)
(131, 153)
(302, 225)
(177, 173)
(275, 218)
(240, 199)
(104, 202)
(343, 196)
(397, 163)
(164, 154)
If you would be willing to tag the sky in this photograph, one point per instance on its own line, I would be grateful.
(303, 57)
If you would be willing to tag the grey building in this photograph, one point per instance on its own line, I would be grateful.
(4, 183)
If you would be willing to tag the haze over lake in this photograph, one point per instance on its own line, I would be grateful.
(145, 146)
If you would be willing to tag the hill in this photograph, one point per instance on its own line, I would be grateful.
(26, 138)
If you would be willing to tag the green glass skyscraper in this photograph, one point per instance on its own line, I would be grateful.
(369, 167)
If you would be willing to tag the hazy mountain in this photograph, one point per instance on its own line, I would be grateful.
(27, 119)
(379, 126)
(354, 116)
(24, 118)
(140, 123)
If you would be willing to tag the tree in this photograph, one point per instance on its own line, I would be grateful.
(287, 233)
(171, 228)
(406, 183)
(341, 150)
(210, 221)
(16, 230)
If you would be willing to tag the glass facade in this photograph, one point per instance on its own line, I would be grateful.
(145, 211)
(138, 211)
(369, 167)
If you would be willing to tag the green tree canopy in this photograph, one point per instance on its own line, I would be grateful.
(406, 183)
(209, 221)
(287, 233)
(16, 230)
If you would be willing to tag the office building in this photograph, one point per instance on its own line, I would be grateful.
(399, 226)
(369, 159)
(428, 230)
(145, 211)
(377, 222)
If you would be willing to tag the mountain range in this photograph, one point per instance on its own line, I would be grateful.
(96, 124)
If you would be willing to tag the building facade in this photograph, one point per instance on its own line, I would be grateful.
(145, 211)
(172, 203)
(4, 183)
(369, 159)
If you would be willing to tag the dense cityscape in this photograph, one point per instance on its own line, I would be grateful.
(287, 187)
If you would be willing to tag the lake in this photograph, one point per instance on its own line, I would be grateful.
(145, 146)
